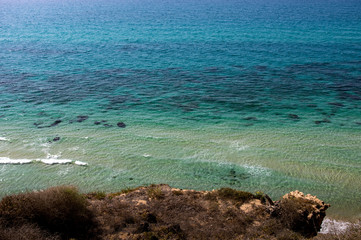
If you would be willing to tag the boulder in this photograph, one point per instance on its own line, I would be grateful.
(301, 213)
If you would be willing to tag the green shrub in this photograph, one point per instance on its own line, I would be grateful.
(259, 195)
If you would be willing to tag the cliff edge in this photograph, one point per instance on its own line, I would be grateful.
(159, 212)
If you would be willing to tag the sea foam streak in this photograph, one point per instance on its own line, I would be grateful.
(4, 139)
(5, 160)
(80, 163)
(52, 161)
(49, 161)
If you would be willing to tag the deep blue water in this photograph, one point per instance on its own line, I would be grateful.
(271, 88)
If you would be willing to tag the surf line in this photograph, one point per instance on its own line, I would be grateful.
(48, 161)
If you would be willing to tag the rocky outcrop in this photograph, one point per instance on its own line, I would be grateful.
(300, 213)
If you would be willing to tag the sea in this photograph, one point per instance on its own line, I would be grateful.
(256, 95)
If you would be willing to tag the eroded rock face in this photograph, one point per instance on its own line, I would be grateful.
(301, 213)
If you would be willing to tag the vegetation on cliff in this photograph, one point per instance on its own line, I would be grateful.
(161, 212)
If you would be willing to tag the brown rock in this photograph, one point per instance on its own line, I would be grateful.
(301, 213)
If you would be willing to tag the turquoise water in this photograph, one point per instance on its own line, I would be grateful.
(255, 95)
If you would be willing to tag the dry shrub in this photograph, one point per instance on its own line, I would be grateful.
(113, 216)
(198, 217)
(271, 229)
(56, 210)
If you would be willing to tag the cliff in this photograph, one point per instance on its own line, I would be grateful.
(159, 212)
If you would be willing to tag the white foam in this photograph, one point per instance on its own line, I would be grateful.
(4, 139)
(49, 156)
(334, 226)
(51, 161)
(80, 163)
(5, 160)
(241, 148)
(238, 145)
(257, 170)
(146, 155)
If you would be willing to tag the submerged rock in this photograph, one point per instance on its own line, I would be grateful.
(55, 123)
(100, 122)
(82, 118)
(293, 116)
(325, 120)
(56, 139)
(337, 104)
(261, 67)
(36, 124)
(121, 125)
(250, 118)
